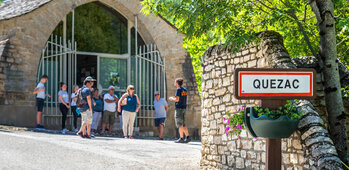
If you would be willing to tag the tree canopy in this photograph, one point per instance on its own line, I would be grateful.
(235, 22)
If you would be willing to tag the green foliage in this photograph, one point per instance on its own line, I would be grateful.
(114, 80)
(345, 92)
(289, 110)
(234, 122)
(97, 29)
(235, 22)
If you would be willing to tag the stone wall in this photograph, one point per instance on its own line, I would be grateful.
(227, 151)
(26, 27)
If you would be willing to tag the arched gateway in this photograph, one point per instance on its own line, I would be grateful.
(108, 39)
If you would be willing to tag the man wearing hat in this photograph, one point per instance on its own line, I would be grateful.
(110, 101)
(86, 107)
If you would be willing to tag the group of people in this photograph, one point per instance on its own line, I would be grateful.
(93, 107)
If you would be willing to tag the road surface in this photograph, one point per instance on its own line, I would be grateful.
(35, 150)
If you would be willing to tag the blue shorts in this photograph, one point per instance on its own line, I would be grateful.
(159, 121)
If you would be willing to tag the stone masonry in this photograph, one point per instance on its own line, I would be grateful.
(25, 26)
(309, 147)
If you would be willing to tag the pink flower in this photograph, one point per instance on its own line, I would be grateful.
(228, 121)
(239, 109)
(239, 137)
(224, 119)
(255, 138)
(227, 128)
(238, 126)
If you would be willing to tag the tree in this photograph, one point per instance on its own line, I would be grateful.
(324, 12)
(306, 31)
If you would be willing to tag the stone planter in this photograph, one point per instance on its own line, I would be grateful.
(266, 127)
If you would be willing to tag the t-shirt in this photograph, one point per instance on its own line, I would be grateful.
(99, 105)
(73, 103)
(41, 94)
(182, 93)
(160, 110)
(111, 107)
(84, 93)
(64, 95)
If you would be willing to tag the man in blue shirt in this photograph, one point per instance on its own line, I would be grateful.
(181, 105)
(86, 107)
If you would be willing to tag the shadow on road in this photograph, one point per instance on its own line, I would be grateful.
(110, 138)
(7, 131)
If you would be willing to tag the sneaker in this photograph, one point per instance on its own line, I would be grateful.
(76, 130)
(88, 137)
(92, 136)
(80, 134)
(39, 127)
(160, 138)
(180, 140)
(64, 131)
(125, 137)
(187, 139)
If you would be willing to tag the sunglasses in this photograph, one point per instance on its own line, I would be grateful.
(131, 88)
(156, 94)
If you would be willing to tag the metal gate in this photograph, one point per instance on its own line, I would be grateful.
(58, 62)
(150, 77)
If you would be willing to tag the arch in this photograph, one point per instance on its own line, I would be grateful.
(50, 14)
(29, 32)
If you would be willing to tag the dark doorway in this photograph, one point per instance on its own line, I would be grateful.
(86, 66)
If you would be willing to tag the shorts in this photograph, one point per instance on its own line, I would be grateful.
(108, 117)
(159, 121)
(180, 117)
(40, 104)
(86, 117)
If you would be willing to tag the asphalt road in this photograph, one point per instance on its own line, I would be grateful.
(34, 150)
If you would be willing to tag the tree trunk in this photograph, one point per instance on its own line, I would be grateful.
(324, 12)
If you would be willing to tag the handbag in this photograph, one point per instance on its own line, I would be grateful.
(78, 111)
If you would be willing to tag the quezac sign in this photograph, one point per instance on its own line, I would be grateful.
(257, 83)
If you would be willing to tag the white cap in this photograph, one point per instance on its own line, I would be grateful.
(111, 88)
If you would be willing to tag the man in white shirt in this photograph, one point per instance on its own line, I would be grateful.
(110, 101)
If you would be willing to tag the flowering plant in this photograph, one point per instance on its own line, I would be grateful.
(234, 121)
(289, 110)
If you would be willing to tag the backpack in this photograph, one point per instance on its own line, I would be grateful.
(79, 101)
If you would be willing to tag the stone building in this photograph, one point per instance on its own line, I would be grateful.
(308, 148)
(110, 40)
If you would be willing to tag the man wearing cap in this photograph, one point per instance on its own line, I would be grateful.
(86, 107)
(161, 107)
(110, 101)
